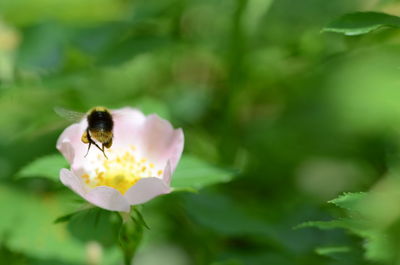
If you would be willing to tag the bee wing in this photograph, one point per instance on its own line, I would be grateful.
(70, 115)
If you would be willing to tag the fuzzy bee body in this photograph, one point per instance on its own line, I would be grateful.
(100, 127)
(100, 119)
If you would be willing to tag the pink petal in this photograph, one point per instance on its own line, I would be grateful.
(127, 127)
(160, 142)
(146, 189)
(167, 173)
(108, 198)
(72, 181)
(64, 142)
(70, 145)
(103, 197)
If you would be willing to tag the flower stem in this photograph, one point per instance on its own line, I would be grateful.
(130, 236)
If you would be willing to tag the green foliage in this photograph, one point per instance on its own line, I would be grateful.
(47, 167)
(29, 227)
(75, 12)
(149, 106)
(220, 214)
(95, 224)
(193, 174)
(348, 201)
(332, 250)
(300, 116)
(229, 262)
(67, 217)
(138, 217)
(379, 228)
(362, 22)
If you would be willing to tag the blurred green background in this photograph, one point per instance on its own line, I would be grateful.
(300, 116)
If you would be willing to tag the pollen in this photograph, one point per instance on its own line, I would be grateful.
(121, 171)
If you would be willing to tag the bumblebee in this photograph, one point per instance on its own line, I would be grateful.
(100, 126)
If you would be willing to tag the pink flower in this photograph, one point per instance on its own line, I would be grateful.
(141, 160)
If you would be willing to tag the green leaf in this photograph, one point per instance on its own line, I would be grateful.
(64, 218)
(95, 224)
(221, 213)
(139, 218)
(193, 174)
(380, 247)
(29, 227)
(67, 217)
(327, 251)
(325, 225)
(349, 201)
(47, 166)
(361, 23)
(359, 227)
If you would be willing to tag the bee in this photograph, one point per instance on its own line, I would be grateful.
(99, 129)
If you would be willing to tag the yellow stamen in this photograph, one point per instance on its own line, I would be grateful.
(121, 171)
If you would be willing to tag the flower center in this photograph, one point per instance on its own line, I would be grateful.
(121, 170)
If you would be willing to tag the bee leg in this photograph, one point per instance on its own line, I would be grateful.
(86, 138)
(90, 143)
(102, 149)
